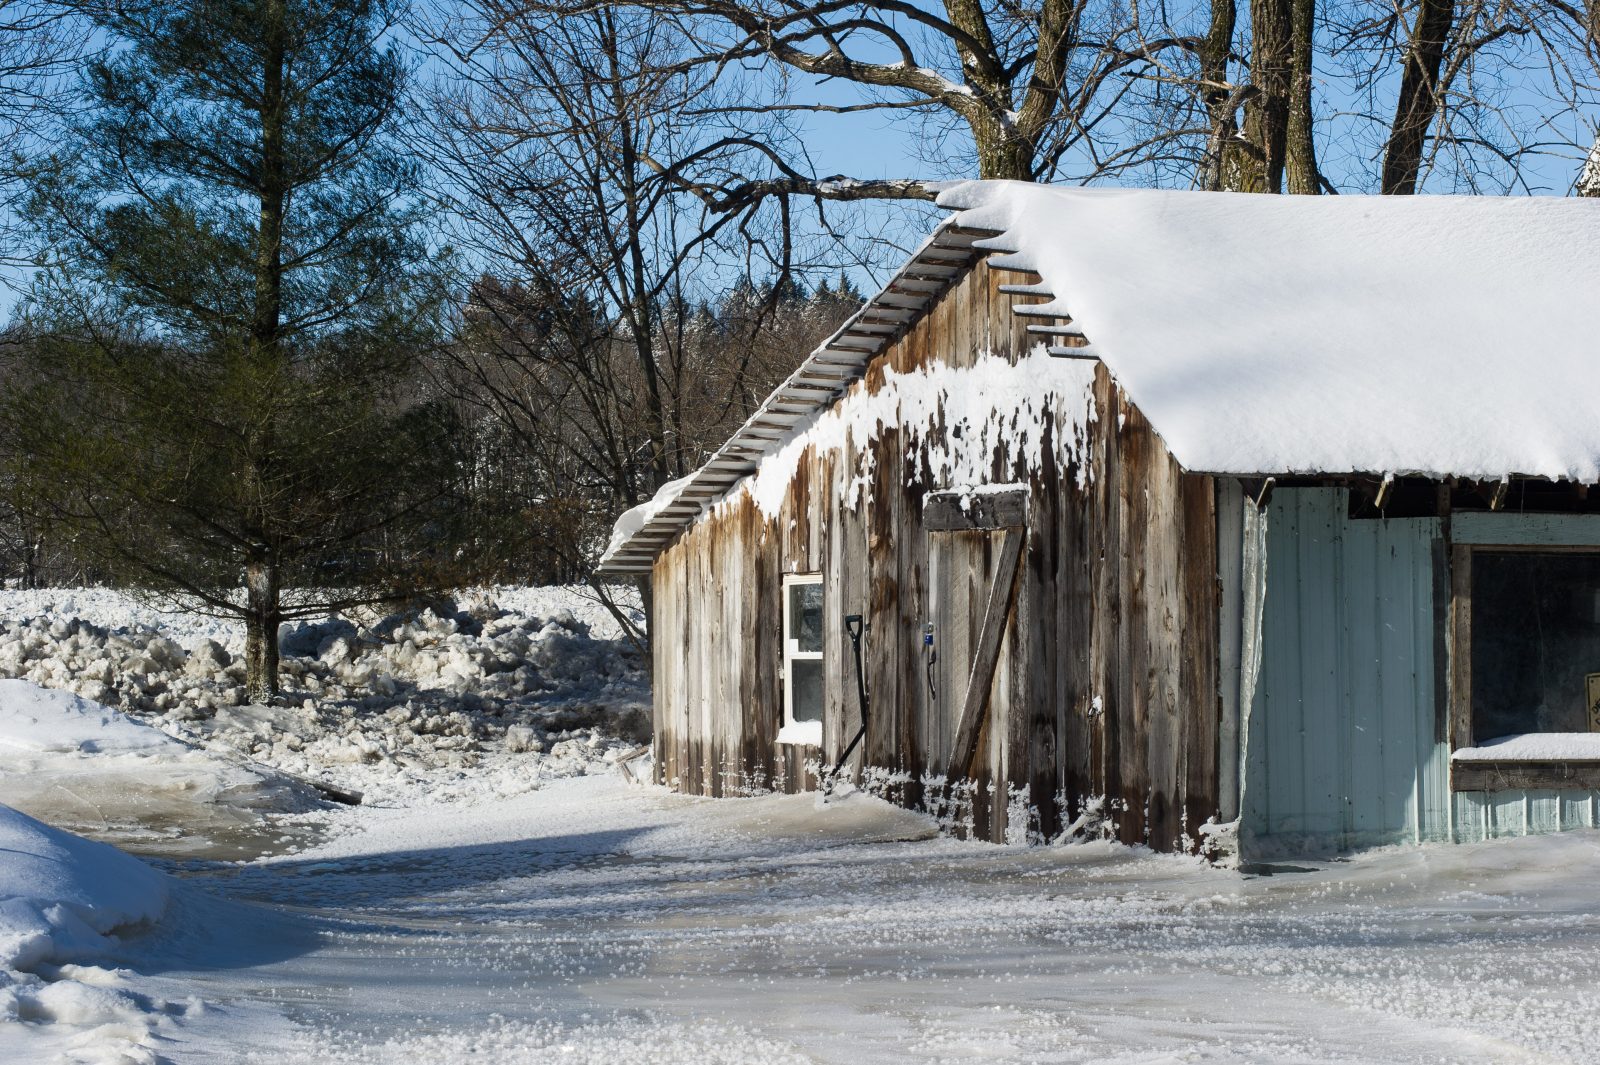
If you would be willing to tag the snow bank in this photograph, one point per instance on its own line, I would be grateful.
(38, 720)
(85, 767)
(468, 699)
(1385, 334)
(64, 901)
(62, 895)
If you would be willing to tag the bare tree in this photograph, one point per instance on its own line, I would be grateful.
(582, 341)
(1479, 88)
(1028, 89)
(1588, 183)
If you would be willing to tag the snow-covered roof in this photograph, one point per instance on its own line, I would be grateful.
(1442, 335)
(1436, 335)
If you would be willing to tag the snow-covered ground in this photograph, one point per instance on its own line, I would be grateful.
(470, 913)
(473, 701)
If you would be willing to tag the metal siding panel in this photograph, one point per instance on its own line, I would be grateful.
(1280, 684)
(1322, 721)
(1519, 812)
(1577, 809)
(1365, 681)
(1438, 813)
(1409, 705)
(1405, 701)
(1341, 746)
(1472, 816)
(1507, 813)
(1544, 811)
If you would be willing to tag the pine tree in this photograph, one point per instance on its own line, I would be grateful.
(223, 387)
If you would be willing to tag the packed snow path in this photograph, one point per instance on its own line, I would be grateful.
(592, 921)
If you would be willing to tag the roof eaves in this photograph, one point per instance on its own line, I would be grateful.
(831, 368)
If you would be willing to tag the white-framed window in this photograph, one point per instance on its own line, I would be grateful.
(802, 659)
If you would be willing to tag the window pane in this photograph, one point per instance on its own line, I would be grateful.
(1535, 636)
(805, 674)
(805, 616)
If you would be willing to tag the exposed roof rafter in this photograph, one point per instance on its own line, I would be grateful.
(838, 362)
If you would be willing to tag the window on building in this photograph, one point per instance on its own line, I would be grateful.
(1535, 642)
(802, 659)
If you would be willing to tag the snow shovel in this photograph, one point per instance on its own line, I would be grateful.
(854, 626)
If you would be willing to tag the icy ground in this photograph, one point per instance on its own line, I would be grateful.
(499, 906)
(593, 921)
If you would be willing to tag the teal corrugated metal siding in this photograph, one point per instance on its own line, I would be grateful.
(1343, 745)
(1483, 815)
(1341, 749)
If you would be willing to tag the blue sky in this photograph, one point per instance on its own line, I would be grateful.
(886, 144)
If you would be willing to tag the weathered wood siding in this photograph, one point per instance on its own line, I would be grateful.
(1104, 700)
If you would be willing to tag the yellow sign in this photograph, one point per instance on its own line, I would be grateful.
(1591, 685)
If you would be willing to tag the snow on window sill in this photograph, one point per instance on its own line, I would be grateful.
(801, 733)
(1535, 747)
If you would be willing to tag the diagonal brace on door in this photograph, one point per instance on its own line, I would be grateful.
(996, 615)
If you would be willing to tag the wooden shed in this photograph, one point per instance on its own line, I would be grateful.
(1184, 518)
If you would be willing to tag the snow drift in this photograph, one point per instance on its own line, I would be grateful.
(83, 766)
(64, 902)
(485, 696)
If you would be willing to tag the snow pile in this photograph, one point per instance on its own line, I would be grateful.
(85, 767)
(63, 902)
(1384, 334)
(460, 699)
(482, 650)
(112, 609)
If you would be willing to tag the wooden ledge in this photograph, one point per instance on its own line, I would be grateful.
(1523, 775)
(989, 508)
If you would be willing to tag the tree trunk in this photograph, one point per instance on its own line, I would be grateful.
(1221, 169)
(1003, 155)
(264, 615)
(1589, 179)
(263, 612)
(641, 315)
(1300, 148)
(1266, 115)
(32, 553)
(1418, 103)
(272, 188)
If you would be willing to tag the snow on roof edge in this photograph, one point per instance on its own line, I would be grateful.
(640, 534)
